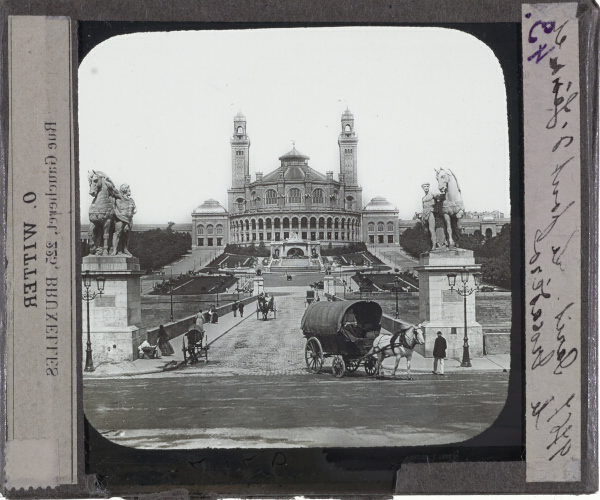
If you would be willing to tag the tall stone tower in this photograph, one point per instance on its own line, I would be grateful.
(240, 149)
(348, 143)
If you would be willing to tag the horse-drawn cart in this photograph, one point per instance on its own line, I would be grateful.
(265, 305)
(344, 330)
(197, 346)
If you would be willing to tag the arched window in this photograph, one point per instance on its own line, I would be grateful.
(271, 197)
(294, 196)
(240, 204)
(349, 203)
(240, 130)
(390, 227)
(348, 128)
(371, 227)
(380, 227)
(200, 229)
(317, 196)
(219, 229)
(209, 229)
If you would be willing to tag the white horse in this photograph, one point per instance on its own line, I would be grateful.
(453, 208)
(401, 344)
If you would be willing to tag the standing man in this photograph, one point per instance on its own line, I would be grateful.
(124, 212)
(241, 308)
(234, 308)
(427, 216)
(439, 353)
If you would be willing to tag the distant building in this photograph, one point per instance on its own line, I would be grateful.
(488, 226)
(380, 222)
(210, 224)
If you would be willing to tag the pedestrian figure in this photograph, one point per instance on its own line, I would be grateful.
(234, 308)
(163, 342)
(241, 308)
(439, 353)
(200, 320)
(211, 314)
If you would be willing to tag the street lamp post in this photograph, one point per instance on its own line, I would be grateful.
(465, 292)
(396, 288)
(171, 296)
(88, 297)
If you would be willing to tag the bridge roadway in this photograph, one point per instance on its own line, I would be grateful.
(256, 392)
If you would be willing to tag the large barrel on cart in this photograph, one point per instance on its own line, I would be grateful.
(344, 330)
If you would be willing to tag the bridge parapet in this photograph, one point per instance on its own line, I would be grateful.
(181, 326)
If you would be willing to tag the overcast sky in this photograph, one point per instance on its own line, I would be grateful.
(156, 111)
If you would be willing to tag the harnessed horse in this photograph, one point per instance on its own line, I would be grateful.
(401, 344)
(265, 305)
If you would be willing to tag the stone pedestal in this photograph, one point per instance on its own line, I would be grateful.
(442, 309)
(328, 285)
(116, 315)
(259, 285)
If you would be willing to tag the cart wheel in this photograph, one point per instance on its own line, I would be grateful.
(338, 367)
(370, 366)
(352, 364)
(313, 354)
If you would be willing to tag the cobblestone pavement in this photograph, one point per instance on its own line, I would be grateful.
(255, 391)
(257, 347)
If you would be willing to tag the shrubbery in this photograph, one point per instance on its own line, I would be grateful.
(332, 251)
(415, 240)
(157, 248)
(493, 254)
(252, 250)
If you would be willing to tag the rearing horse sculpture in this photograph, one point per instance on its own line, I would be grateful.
(102, 211)
(453, 208)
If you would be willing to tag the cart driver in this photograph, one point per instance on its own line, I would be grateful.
(350, 318)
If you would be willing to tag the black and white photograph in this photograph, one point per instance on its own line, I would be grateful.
(295, 238)
(298, 249)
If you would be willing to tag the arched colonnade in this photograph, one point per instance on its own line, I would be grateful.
(322, 228)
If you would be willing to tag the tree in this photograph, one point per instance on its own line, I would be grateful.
(415, 240)
(157, 248)
(332, 251)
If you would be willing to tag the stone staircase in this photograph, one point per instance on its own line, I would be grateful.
(494, 312)
(285, 265)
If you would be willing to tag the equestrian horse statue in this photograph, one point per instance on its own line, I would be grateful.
(401, 344)
(453, 208)
(102, 212)
(111, 216)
